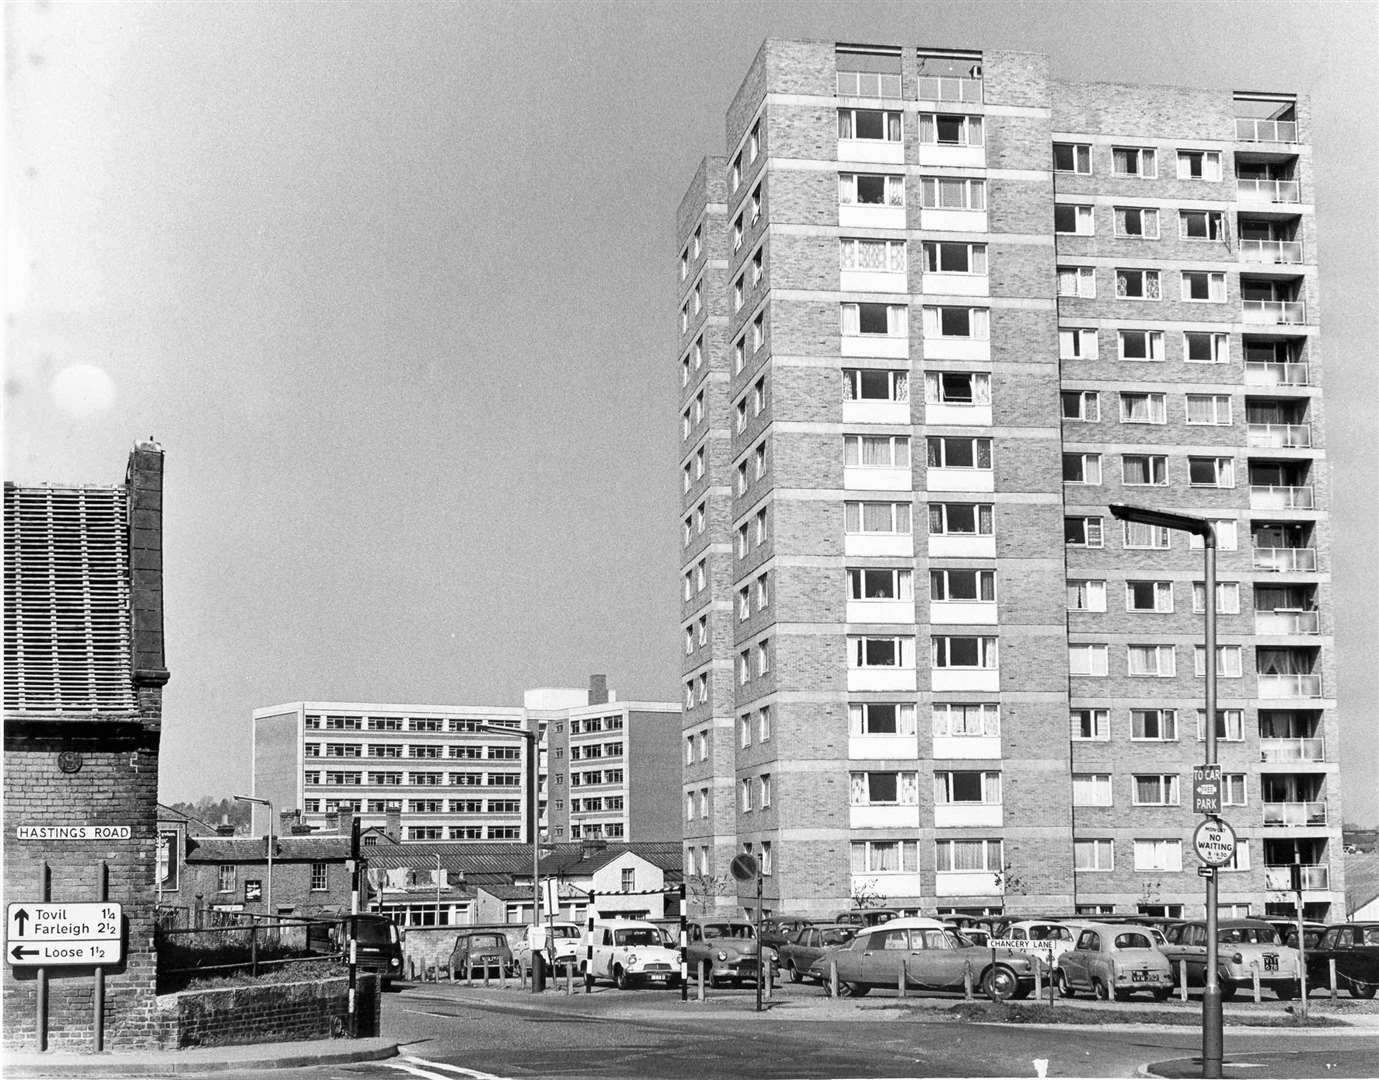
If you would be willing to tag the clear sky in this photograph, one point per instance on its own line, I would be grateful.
(393, 285)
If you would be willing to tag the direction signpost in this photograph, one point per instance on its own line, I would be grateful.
(1206, 789)
(51, 935)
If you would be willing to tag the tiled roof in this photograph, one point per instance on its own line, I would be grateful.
(218, 849)
(480, 860)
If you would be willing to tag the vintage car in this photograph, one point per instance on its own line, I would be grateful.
(479, 952)
(1245, 946)
(930, 956)
(629, 952)
(797, 955)
(558, 942)
(776, 930)
(725, 949)
(1046, 940)
(1355, 949)
(865, 916)
(1113, 960)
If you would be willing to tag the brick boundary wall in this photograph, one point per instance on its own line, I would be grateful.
(280, 1012)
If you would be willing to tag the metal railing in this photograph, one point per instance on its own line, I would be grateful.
(1285, 558)
(1275, 373)
(1295, 814)
(949, 88)
(1281, 497)
(1290, 686)
(1271, 312)
(1271, 251)
(1279, 750)
(249, 944)
(1313, 877)
(1287, 622)
(1271, 191)
(1281, 435)
(1249, 129)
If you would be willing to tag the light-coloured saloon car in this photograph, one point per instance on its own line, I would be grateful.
(1113, 960)
(1244, 947)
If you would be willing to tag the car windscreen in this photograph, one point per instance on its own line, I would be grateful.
(839, 935)
(731, 930)
(643, 937)
(1248, 935)
(565, 931)
(1046, 932)
(485, 941)
(374, 931)
(1134, 940)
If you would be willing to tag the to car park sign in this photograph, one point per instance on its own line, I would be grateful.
(1215, 842)
(1206, 789)
(48, 935)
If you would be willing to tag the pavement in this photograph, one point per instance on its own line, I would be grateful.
(200, 1059)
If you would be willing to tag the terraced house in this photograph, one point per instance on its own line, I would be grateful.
(937, 310)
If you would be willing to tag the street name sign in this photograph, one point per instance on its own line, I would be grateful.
(1214, 841)
(1206, 789)
(73, 832)
(46, 935)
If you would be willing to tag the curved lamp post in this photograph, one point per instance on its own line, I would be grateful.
(268, 803)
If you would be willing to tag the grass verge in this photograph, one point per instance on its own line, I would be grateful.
(1019, 1012)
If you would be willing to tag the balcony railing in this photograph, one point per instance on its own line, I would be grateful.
(1290, 686)
(1281, 435)
(1280, 750)
(949, 88)
(1248, 129)
(1275, 312)
(1271, 191)
(1295, 814)
(1280, 497)
(1271, 251)
(1272, 373)
(1280, 878)
(1285, 558)
(1287, 622)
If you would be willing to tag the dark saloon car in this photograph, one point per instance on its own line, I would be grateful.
(798, 954)
(1355, 949)
(481, 951)
(776, 930)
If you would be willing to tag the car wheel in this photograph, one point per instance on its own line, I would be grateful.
(1099, 990)
(1162, 994)
(1227, 988)
(794, 972)
(620, 979)
(857, 989)
(1360, 989)
(999, 983)
(1065, 988)
(1286, 991)
(1120, 995)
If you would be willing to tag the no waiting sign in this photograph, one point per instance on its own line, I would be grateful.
(1214, 841)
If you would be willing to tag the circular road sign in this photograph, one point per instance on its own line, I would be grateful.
(1215, 842)
(743, 867)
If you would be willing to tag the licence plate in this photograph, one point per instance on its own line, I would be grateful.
(657, 976)
(1270, 962)
(1139, 976)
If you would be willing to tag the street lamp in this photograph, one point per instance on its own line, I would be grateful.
(1212, 1039)
(268, 803)
(530, 735)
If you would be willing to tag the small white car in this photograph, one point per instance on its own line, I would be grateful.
(1046, 940)
(559, 942)
(628, 952)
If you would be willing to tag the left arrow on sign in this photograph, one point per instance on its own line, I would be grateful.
(19, 952)
(21, 917)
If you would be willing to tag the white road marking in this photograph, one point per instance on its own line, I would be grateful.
(419, 1067)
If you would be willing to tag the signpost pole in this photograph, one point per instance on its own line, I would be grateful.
(760, 973)
(1296, 875)
(1212, 1034)
(355, 875)
(42, 984)
(98, 991)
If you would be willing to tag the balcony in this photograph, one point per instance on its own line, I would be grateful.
(1281, 497)
(1295, 815)
(1248, 129)
(1271, 251)
(949, 88)
(1281, 436)
(1274, 312)
(1290, 686)
(1272, 373)
(967, 883)
(1287, 622)
(1274, 751)
(1268, 191)
(1280, 878)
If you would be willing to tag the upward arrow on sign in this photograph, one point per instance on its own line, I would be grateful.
(21, 917)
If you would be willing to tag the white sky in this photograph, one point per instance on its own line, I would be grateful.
(393, 284)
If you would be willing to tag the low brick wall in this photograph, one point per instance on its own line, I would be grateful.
(276, 1012)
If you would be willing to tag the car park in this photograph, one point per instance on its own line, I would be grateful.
(558, 942)
(628, 952)
(776, 930)
(486, 952)
(1113, 960)
(725, 950)
(1245, 947)
(928, 956)
(1354, 947)
(797, 955)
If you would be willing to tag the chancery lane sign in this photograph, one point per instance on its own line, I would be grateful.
(1214, 842)
(46, 935)
(73, 832)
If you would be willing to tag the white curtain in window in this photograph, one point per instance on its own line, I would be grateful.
(852, 321)
(909, 789)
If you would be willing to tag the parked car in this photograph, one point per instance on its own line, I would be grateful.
(797, 955)
(932, 957)
(1113, 960)
(776, 930)
(1046, 940)
(1355, 948)
(866, 916)
(481, 951)
(629, 952)
(726, 949)
(1288, 930)
(558, 942)
(378, 944)
(1244, 947)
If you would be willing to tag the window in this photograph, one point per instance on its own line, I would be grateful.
(1201, 285)
(963, 652)
(1091, 725)
(1073, 158)
(1087, 660)
(960, 720)
(226, 878)
(743, 546)
(876, 517)
(1142, 408)
(952, 193)
(950, 129)
(884, 857)
(1157, 789)
(1141, 344)
(745, 787)
(1218, 472)
(881, 652)
(759, 461)
(880, 584)
(688, 591)
(880, 255)
(954, 258)
(955, 452)
(754, 142)
(1077, 281)
(957, 388)
(1227, 535)
(1230, 725)
(701, 576)
(1144, 470)
(1137, 284)
(1149, 596)
(876, 451)
(689, 806)
(967, 786)
(1070, 219)
(1153, 660)
(891, 320)
(1086, 595)
(629, 880)
(1154, 725)
(735, 175)
(758, 331)
(1233, 789)
(703, 686)
(1134, 161)
(884, 789)
(1201, 225)
(1199, 164)
(767, 864)
(875, 124)
(1137, 535)
(1137, 221)
(1227, 661)
(759, 396)
(881, 718)
(1200, 347)
(967, 856)
(1209, 409)
(763, 590)
(1077, 344)
(739, 354)
(1081, 468)
(1091, 789)
(763, 656)
(875, 385)
(1227, 597)
(758, 266)
(966, 585)
(866, 189)
(870, 84)
(754, 205)
(764, 724)
(1082, 532)
(960, 519)
(737, 294)
(1093, 855)
(764, 790)
(759, 527)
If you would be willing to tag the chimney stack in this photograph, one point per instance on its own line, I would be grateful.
(598, 689)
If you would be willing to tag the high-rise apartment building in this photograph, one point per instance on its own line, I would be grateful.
(938, 309)
(440, 773)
